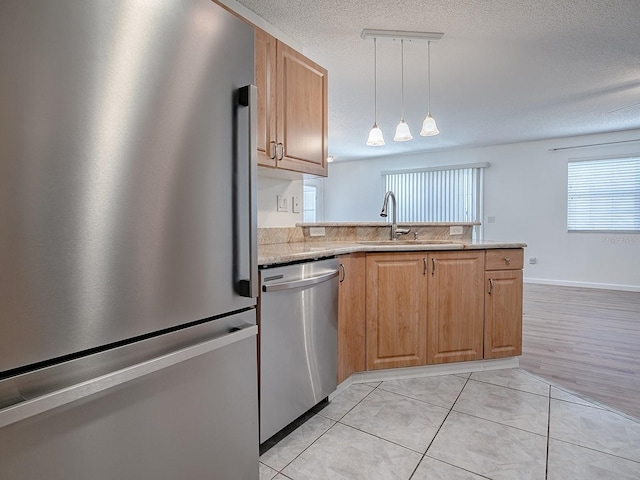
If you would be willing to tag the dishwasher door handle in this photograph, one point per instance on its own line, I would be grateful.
(305, 282)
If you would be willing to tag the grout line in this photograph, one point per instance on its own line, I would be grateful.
(308, 446)
(440, 427)
(546, 463)
(348, 411)
(512, 388)
(498, 423)
(594, 403)
(418, 399)
(335, 422)
(458, 467)
(381, 438)
(598, 451)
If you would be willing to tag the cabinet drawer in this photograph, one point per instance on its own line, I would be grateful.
(504, 259)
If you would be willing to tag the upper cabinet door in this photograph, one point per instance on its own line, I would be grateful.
(302, 113)
(265, 72)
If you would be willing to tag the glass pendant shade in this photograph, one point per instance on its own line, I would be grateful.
(429, 127)
(403, 133)
(375, 137)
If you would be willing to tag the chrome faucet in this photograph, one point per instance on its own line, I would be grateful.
(395, 231)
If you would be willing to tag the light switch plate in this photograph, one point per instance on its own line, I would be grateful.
(282, 203)
(295, 204)
(455, 230)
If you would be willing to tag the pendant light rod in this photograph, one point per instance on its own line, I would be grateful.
(429, 78)
(401, 35)
(402, 80)
(375, 82)
(403, 133)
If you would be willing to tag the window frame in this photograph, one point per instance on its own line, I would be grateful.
(573, 224)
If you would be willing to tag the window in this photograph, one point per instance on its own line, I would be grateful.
(312, 200)
(438, 194)
(604, 195)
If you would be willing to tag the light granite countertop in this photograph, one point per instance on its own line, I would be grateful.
(279, 253)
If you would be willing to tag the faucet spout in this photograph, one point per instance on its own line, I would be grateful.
(395, 231)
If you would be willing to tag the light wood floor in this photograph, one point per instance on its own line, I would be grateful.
(587, 340)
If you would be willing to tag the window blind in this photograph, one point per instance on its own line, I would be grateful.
(604, 195)
(447, 194)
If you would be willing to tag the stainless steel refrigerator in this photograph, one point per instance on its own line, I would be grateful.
(128, 269)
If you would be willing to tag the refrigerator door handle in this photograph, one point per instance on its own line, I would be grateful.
(49, 401)
(246, 192)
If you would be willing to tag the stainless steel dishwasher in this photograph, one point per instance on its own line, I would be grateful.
(298, 340)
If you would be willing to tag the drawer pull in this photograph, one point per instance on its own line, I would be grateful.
(507, 260)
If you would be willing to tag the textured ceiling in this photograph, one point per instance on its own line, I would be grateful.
(505, 70)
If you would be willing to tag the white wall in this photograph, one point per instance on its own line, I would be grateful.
(526, 192)
(268, 190)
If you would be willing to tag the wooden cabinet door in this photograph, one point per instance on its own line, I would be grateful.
(456, 306)
(302, 126)
(396, 310)
(503, 314)
(265, 78)
(351, 315)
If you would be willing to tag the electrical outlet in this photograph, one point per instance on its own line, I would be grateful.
(316, 231)
(533, 260)
(491, 219)
(282, 203)
(456, 230)
(295, 204)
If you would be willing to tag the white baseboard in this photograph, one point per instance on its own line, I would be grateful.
(426, 371)
(567, 283)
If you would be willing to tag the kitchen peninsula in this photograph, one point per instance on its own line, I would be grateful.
(433, 296)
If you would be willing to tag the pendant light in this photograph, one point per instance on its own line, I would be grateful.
(429, 127)
(375, 135)
(403, 133)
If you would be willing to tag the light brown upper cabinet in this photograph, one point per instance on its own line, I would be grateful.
(292, 108)
(396, 306)
(456, 306)
(503, 303)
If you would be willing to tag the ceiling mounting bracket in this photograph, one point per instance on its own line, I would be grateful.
(401, 35)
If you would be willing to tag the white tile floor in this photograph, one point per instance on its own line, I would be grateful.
(502, 424)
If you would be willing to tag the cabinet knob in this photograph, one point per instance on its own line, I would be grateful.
(507, 260)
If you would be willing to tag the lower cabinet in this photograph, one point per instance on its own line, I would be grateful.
(351, 315)
(503, 314)
(405, 309)
(396, 308)
(456, 306)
